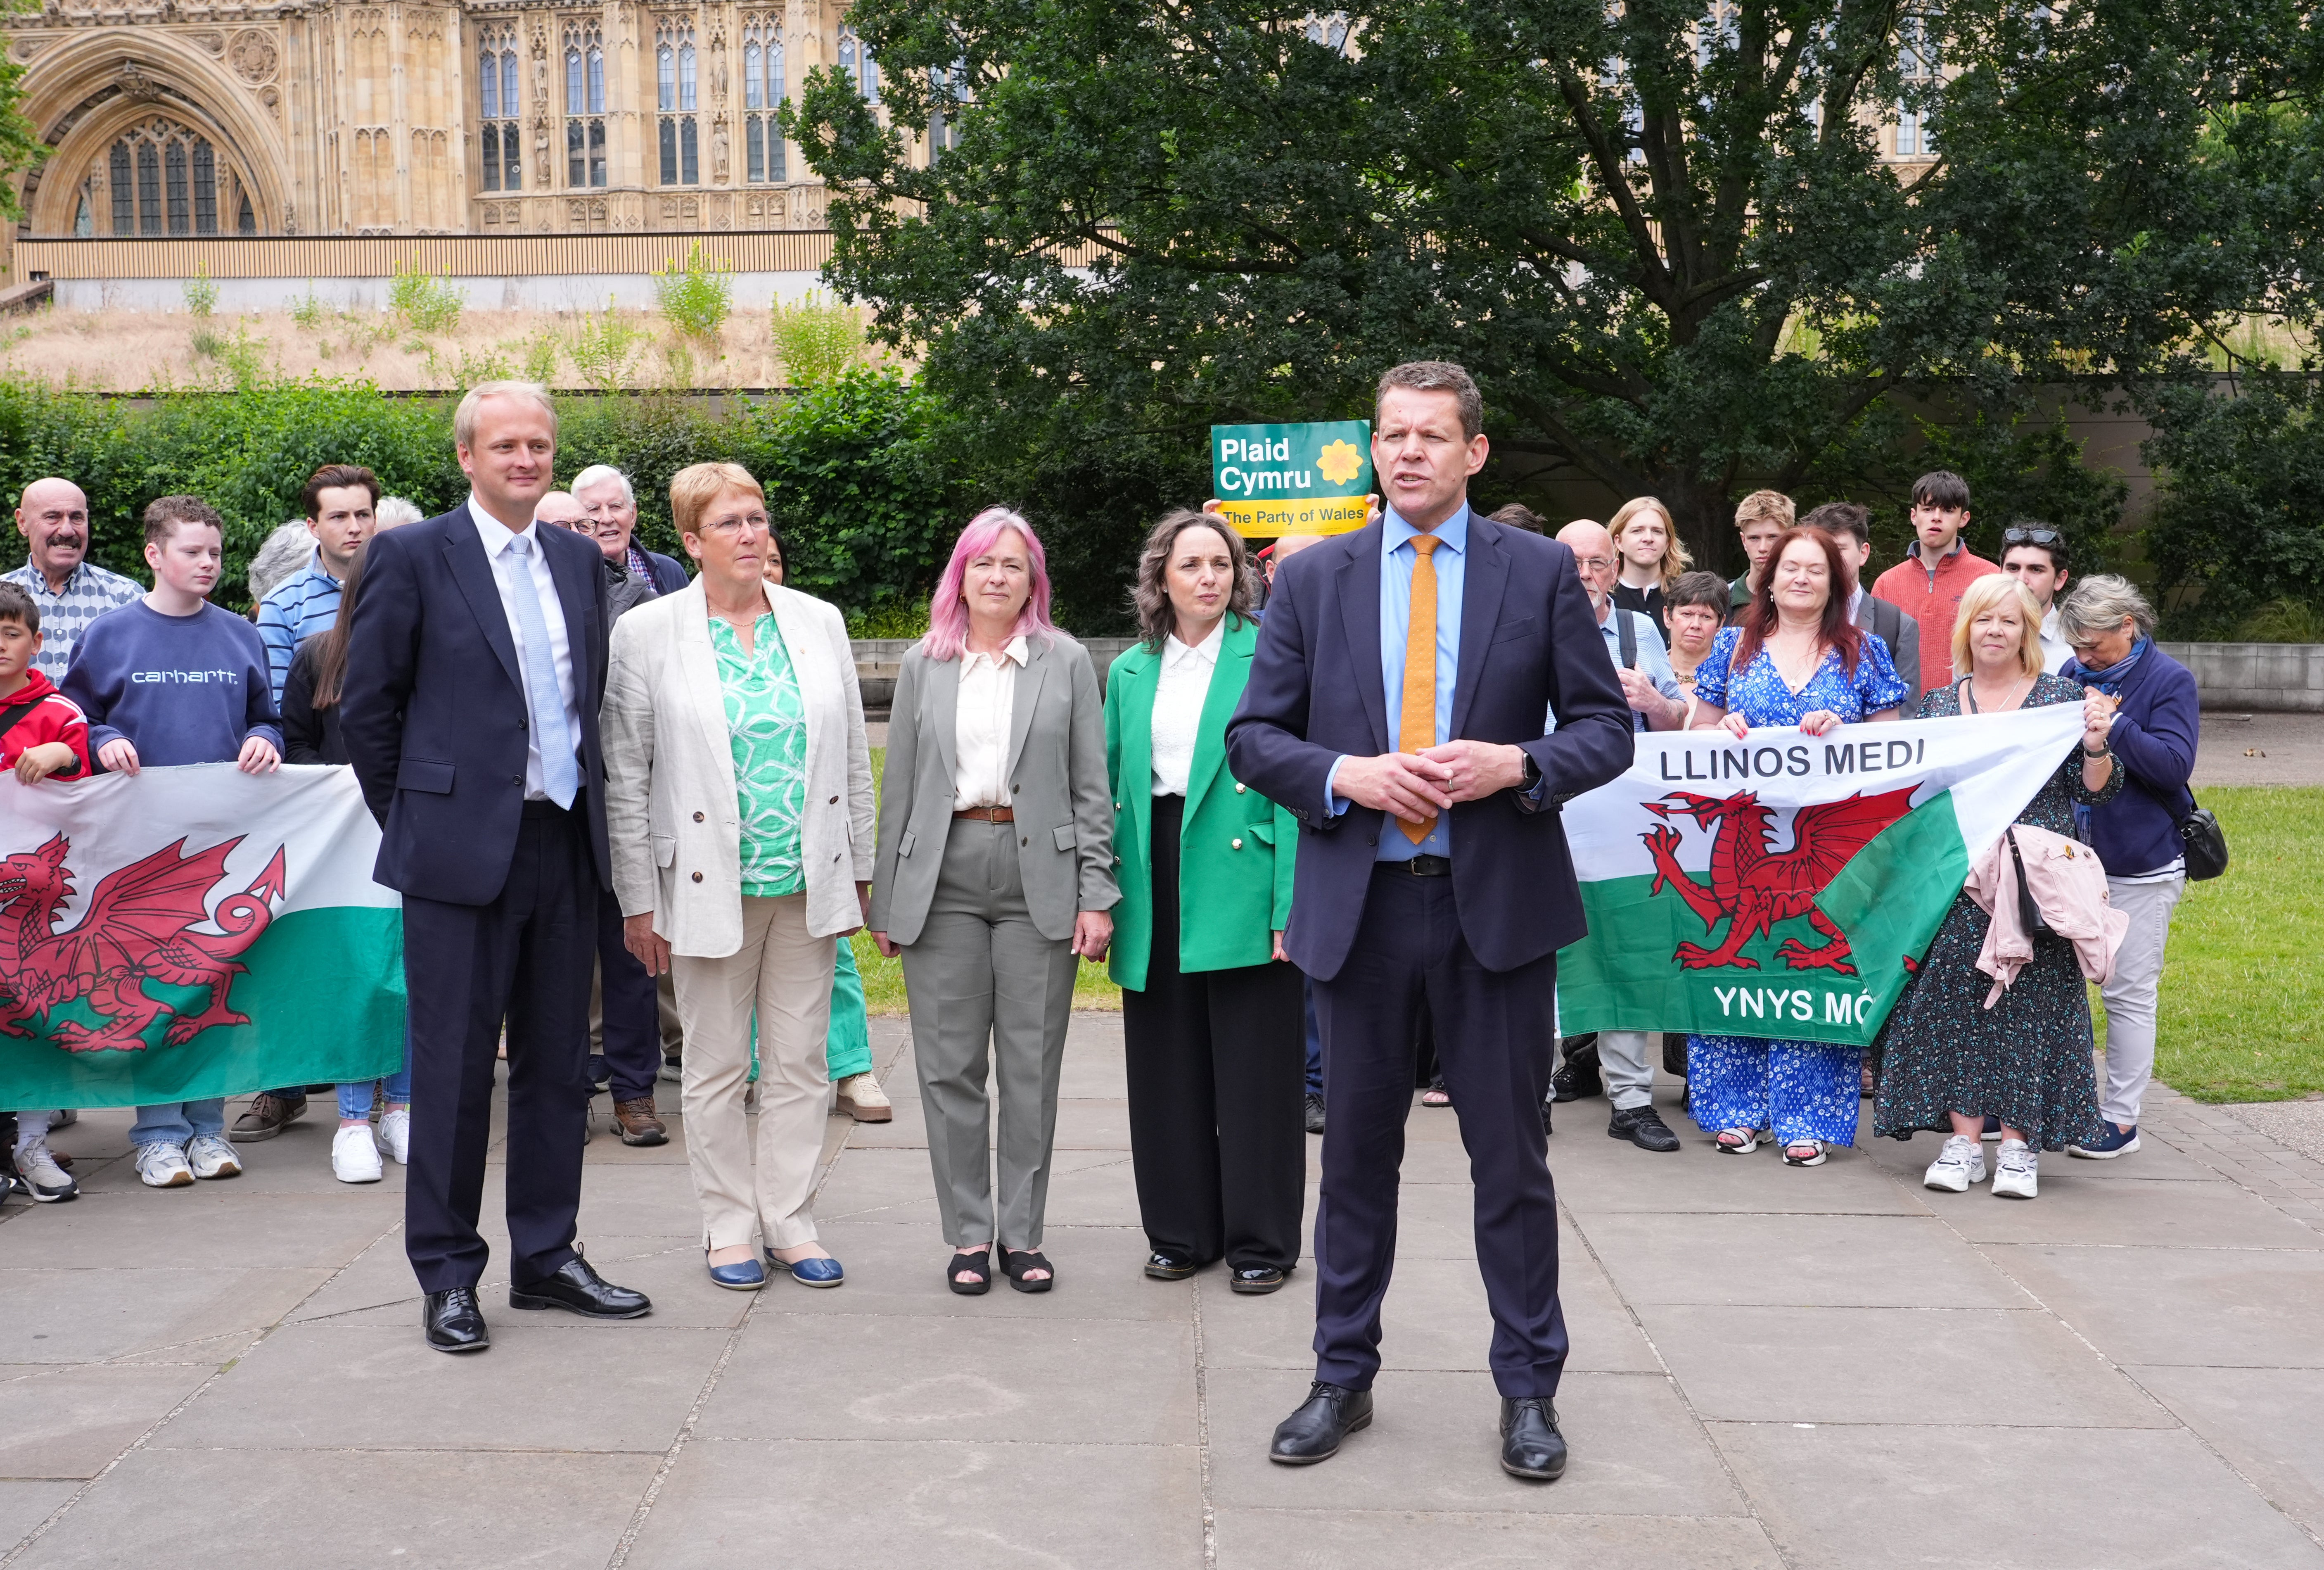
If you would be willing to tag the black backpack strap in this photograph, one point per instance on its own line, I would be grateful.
(14, 712)
(1626, 633)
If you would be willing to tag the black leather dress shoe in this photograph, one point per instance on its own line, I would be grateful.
(1531, 1445)
(1312, 1433)
(1253, 1280)
(1642, 1127)
(578, 1289)
(454, 1321)
(1164, 1267)
(1314, 1114)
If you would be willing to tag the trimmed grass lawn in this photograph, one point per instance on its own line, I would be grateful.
(883, 979)
(2243, 985)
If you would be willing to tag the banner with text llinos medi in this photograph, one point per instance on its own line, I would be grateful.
(1293, 479)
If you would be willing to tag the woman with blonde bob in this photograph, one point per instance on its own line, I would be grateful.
(1646, 543)
(738, 799)
(995, 878)
(1945, 1061)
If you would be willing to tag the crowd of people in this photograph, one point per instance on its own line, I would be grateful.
(628, 805)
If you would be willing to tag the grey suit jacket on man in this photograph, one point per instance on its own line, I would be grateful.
(1056, 776)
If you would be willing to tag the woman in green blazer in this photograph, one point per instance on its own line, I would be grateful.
(1210, 1008)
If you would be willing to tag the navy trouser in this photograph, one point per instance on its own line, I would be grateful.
(630, 1003)
(526, 958)
(1494, 1039)
(1315, 1038)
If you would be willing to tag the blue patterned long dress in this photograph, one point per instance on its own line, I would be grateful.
(1803, 1090)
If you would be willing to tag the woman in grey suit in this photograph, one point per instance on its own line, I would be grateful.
(994, 875)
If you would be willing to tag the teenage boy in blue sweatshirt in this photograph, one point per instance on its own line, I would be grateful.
(167, 679)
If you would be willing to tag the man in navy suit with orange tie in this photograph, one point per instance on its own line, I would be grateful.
(1396, 706)
(476, 663)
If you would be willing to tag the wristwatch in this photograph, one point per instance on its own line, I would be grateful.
(1531, 780)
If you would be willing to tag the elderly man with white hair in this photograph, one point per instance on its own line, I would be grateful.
(604, 494)
(71, 591)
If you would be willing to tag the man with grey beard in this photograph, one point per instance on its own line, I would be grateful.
(71, 591)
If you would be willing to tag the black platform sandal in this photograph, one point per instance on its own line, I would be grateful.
(1017, 1262)
(977, 1268)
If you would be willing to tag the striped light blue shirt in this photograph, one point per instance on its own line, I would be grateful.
(300, 606)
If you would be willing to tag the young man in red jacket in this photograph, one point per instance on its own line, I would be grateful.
(1927, 585)
(43, 734)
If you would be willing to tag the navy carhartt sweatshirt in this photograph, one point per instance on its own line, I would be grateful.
(183, 689)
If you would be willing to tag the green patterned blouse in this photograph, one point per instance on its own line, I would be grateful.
(766, 722)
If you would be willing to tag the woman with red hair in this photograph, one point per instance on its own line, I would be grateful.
(1796, 660)
(995, 877)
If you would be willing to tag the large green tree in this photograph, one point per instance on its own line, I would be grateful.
(1664, 239)
(20, 148)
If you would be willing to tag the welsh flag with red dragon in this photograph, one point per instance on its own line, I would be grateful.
(1786, 885)
(191, 933)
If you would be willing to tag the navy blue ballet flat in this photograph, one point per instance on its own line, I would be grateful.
(742, 1276)
(816, 1272)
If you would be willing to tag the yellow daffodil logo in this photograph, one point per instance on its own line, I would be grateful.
(1341, 462)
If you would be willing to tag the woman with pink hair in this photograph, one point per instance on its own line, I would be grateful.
(993, 879)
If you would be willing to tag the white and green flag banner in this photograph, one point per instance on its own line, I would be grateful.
(191, 933)
(1787, 885)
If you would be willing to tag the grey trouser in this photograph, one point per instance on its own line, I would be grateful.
(2130, 992)
(982, 978)
(1622, 1059)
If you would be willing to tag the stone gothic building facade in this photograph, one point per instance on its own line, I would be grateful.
(350, 117)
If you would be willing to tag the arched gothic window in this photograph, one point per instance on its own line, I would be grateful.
(675, 84)
(166, 178)
(585, 105)
(764, 90)
(856, 64)
(501, 130)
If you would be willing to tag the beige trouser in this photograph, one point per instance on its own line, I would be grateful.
(785, 973)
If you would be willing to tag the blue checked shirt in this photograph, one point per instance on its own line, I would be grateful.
(88, 593)
(301, 606)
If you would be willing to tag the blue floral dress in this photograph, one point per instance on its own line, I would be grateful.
(1803, 1090)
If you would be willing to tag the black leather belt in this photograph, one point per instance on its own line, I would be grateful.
(1423, 866)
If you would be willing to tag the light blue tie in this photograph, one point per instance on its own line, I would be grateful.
(561, 776)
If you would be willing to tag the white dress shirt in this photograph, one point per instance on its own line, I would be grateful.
(988, 704)
(1179, 694)
(496, 536)
(2055, 650)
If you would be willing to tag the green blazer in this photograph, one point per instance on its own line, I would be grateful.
(1237, 847)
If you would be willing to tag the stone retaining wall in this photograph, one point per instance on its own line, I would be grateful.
(2264, 678)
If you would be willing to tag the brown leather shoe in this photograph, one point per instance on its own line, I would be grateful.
(268, 1116)
(639, 1125)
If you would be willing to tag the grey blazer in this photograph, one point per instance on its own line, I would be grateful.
(1056, 773)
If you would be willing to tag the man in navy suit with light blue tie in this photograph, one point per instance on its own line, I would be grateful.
(476, 663)
(1395, 706)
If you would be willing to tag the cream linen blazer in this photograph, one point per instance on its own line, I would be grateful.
(670, 808)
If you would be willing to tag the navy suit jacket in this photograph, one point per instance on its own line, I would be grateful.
(669, 572)
(434, 716)
(1528, 642)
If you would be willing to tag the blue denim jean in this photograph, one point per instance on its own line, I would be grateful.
(173, 1122)
(354, 1098)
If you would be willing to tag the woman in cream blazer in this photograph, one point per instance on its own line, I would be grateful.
(738, 799)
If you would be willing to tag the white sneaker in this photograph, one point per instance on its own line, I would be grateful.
(2018, 1172)
(1960, 1164)
(395, 1134)
(210, 1156)
(355, 1154)
(47, 1182)
(163, 1166)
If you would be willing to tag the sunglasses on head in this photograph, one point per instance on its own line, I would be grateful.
(2030, 537)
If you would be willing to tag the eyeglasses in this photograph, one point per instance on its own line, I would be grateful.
(1593, 563)
(729, 525)
(2030, 537)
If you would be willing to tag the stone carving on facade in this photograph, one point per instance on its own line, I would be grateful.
(26, 48)
(718, 149)
(135, 85)
(254, 57)
(209, 43)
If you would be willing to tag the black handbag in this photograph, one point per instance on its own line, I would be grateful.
(2029, 909)
(2202, 842)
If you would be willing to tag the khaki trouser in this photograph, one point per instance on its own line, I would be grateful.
(785, 973)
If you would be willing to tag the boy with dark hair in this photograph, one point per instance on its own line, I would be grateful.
(1850, 527)
(1927, 585)
(170, 680)
(2035, 554)
(41, 736)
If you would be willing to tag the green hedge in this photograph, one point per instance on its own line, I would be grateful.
(2238, 535)
(855, 469)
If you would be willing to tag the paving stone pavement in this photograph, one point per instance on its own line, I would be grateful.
(1771, 1367)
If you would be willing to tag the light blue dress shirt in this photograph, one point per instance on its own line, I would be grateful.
(1654, 664)
(1396, 559)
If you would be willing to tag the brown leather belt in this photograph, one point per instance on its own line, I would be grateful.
(990, 814)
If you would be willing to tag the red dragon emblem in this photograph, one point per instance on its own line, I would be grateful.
(1752, 887)
(137, 930)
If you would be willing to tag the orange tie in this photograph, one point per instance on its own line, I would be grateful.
(1416, 729)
